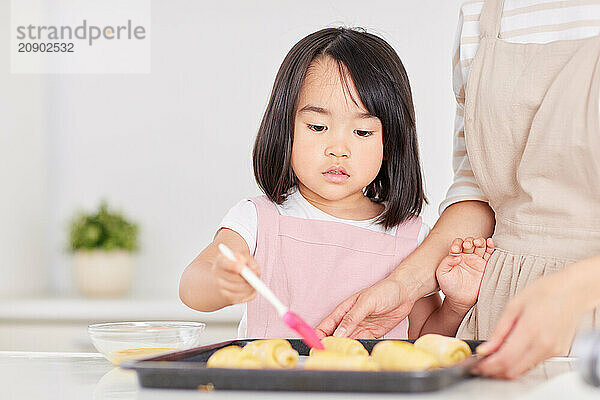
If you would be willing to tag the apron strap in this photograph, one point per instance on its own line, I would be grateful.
(489, 20)
(268, 216)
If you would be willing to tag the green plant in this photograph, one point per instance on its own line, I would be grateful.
(104, 230)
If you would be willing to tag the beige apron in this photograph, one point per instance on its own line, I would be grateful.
(533, 139)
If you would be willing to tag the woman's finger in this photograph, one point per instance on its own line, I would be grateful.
(332, 321)
(362, 333)
(518, 343)
(503, 328)
(546, 342)
(533, 356)
(362, 308)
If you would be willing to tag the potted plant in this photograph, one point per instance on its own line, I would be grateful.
(103, 244)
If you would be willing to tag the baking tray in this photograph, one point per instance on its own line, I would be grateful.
(187, 370)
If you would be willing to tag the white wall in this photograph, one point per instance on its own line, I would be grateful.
(23, 176)
(172, 149)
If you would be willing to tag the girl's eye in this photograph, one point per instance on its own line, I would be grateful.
(363, 133)
(317, 128)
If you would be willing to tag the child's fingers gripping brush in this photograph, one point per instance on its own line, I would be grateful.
(292, 320)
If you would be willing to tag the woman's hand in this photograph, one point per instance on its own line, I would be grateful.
(459, 274)
(370, 313)
(373, 312)
(231, 285)
(537, 324)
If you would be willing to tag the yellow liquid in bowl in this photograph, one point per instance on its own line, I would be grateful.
(117, 357)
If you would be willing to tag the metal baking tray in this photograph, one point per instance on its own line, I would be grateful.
(187, 370)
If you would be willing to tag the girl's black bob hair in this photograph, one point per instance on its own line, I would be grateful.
(383, 87)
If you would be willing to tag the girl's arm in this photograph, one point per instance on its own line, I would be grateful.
(459, 276)
(389, 301)
(431, 315)
(462, 219)
(202, 286)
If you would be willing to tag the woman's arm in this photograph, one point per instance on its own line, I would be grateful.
(198, 287)
(374, 311)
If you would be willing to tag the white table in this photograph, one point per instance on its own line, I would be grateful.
(66, 376)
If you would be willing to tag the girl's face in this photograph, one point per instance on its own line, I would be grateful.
(338, 146)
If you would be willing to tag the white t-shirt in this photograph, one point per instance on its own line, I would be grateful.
(243, 219)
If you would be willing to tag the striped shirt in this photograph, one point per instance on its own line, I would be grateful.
(523, 21)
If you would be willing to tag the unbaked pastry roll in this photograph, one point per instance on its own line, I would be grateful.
(447, 350)
(273, 353)
(393, 355)
(232, 357)
(342, 345)
(336, 361)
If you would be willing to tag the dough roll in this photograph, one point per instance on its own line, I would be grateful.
(447, 350)
(232, 357)
(342, 345)
(273, 353)
(393, 355)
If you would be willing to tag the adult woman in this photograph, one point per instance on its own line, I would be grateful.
(532, 133)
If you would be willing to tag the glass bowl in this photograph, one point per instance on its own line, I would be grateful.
(123, 341)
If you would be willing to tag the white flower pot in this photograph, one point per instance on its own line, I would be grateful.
(100, 273)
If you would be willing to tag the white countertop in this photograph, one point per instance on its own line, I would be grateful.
(98, 310)
(66, 376)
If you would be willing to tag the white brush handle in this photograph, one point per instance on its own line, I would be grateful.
(255, 281)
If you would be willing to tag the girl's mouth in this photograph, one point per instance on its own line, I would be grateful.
(336, 175)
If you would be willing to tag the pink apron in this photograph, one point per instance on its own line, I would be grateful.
(313, 265)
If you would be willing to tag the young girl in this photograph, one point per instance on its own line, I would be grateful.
(336, 156)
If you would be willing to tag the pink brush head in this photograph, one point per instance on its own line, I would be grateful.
(306, 331)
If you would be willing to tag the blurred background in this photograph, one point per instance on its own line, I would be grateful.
(171, 149)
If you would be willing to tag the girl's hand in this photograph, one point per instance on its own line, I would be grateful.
(538, 323)
(459, 274)
(232, 286)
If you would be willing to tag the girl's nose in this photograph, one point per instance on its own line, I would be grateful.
(338, 152)
(337, 149)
